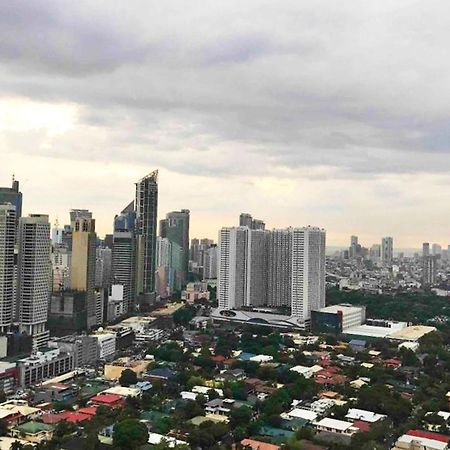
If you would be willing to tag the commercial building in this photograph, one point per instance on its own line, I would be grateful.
(175, 228)
(13, 196)
(34, 277)
(146, 209)
(336, 319)
(82, 277)
(7, 240)
(124, 255)
(114, 370)
(43, 365)
(82, 347)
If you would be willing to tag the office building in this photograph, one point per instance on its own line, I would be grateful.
(164, 266)
(387, 250)
(355, 248)
(375, 253)
(34, 272)
(7, 239)
(103, 266)
(124, 255)
(426, 249)
(82, 276)
(146, 209)
(175, 228)
(14, 196)
(61, 261)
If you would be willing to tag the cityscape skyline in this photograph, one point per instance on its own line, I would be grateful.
(334, 241)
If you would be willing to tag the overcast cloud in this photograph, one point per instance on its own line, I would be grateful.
(301, 112)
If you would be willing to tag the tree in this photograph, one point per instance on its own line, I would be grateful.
(130, 434)
(3, 428)
(127, 378)
(241, 416)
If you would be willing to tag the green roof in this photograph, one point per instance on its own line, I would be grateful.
(34, 427)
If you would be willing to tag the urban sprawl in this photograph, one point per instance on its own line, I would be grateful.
(149, 339)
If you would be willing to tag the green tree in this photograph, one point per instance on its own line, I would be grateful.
(127, 378)
(130, 434)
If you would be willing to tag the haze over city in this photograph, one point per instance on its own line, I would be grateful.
(329, 114)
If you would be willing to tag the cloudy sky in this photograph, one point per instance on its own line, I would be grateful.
(329, 113)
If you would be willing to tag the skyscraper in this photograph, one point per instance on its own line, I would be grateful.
(146, 209)
(34, 280)
(426, 249)
(175, 227)
(436, 249)
(83, 261)
(14, 196)
(210, 263)
(256, 268)
(387, 250)
(7, 239)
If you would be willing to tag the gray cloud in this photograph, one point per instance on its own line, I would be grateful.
(361, 88)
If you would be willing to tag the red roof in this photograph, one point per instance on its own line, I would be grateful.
(90, 410)
(429, 435)
(51, 418)
(108, 399)
(363, 426)
(74, 416)
(218, 358)
(258, 445)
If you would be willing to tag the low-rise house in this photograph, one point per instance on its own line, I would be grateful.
(299, 413)
(35, 432)
(221, 407)
(258, 445)
(362, 415)
(109, 400)
(123, 391)
(307, 372)
(336, 426)
(422, 440)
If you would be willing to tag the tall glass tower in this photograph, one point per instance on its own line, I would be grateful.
(146, 209)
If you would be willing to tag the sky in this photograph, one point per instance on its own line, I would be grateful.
(327, 113)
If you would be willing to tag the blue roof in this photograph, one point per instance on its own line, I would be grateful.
(244, 356)
(358, 342)
(162, 373)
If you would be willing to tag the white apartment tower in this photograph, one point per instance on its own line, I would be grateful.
(307, 271)
(279, 268)
(7, 239)
(34, 277)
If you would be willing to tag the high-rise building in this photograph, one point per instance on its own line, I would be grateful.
(7, 239)
(307, 272)
(355, 248)
(232, 261)
(82, 276)
(124, 255)
(387, 250)
(210, 263)
(246, 220)
(429, 270)
(103, 266)
(146, 209)
(436, 249)
(34, 277)
(426, 249)
(175, 227)
(278, 268)
(375, 252)
(14, 196)
(164, 266)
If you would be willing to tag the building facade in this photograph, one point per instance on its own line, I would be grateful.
(34, 277)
